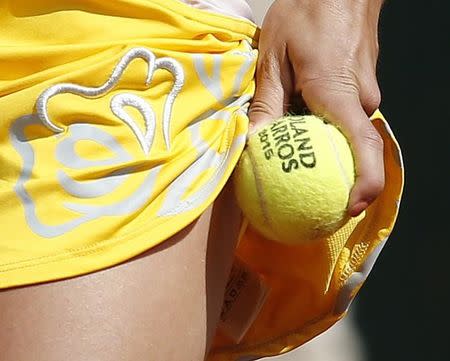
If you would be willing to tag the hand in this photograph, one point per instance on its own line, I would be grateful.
(324, 52)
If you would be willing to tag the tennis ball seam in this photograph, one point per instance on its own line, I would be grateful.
(344, 175)
(259, 190)
(307, 204)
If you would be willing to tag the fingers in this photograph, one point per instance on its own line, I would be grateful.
(273, 89)
(344, 108)
(368, 150)
(369, 92)
(335, 79)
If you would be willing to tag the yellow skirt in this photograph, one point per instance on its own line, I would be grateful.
(121, 121)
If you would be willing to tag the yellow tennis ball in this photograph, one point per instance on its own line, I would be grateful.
(294, 178)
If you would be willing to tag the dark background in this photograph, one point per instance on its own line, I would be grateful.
(403, 309)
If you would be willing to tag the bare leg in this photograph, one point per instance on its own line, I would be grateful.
(163, 305)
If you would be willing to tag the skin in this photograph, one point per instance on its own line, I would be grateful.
(163, 305)
(326, 59)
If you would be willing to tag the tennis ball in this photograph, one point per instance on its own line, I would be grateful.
(293, 179)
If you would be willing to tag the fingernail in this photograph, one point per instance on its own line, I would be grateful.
(252, 129)
(358, 208)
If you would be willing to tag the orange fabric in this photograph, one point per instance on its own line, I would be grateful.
(312, 286)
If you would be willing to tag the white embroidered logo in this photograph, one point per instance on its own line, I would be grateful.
(87, 203)
(124, 99)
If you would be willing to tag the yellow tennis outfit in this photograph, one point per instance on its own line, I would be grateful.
(121, 121)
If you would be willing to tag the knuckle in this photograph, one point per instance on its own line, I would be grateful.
(261, 106)
(258, 106)
(371, 100)
(374, 186)
(377, 183)
(341, 80)
(373, 139)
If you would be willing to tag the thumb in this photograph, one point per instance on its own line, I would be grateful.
(273, 88)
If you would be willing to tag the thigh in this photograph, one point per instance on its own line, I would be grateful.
(162, 305)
